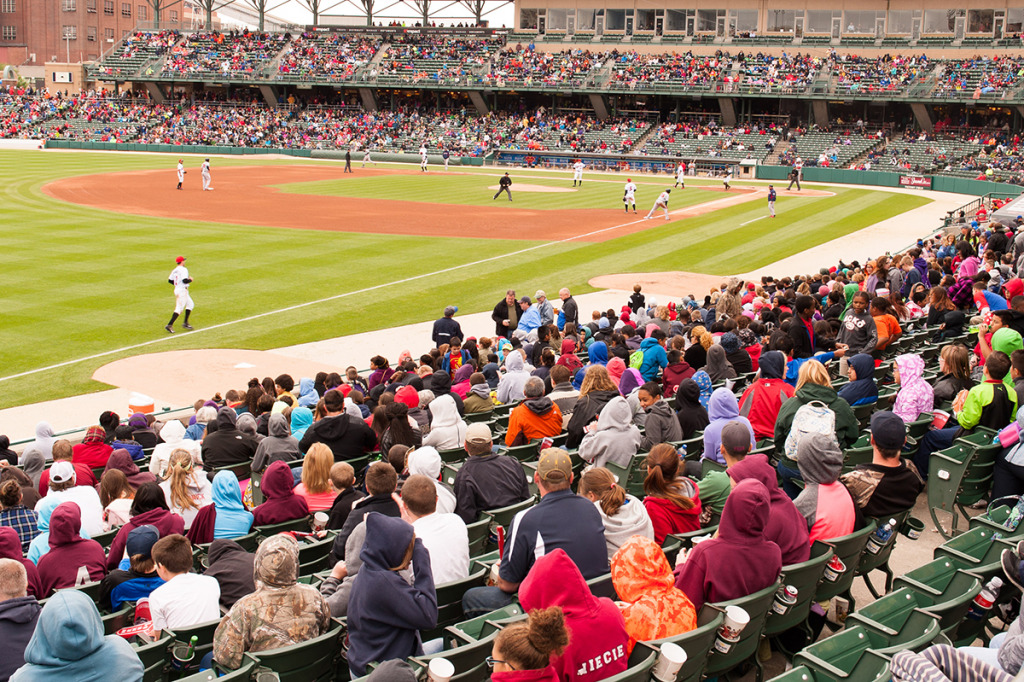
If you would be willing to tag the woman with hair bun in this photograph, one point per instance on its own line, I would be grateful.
(622, 514)
(522, 652)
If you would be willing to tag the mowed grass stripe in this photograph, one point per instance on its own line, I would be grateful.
(80, 281)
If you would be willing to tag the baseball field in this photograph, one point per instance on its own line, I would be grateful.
(290, 251)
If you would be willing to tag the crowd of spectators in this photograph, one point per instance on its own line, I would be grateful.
(331, 56)
(979, 75)
(525, 66)
(636, 71)
(237, 55)
(888, 73)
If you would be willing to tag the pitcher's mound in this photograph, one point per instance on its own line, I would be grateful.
(533, 188)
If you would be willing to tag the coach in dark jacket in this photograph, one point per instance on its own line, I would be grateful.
(346, 436)
(446, 328)
(507, 309)
(227, 445)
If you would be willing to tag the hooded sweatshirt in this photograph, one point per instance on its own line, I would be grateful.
(32, 462)
(722, 409)
(785, 526)
(655, 358)
(710, 574)
(72, 560)
(652, 606)
(308, 397)
(427, 461)
(614, 438)
(630, 519)
(447, 429)
(89, 505)
(510, 387)
(531, 419)
(40, 545)
(667, 517)
(279, 446)
(302, 419)
(661, 426)
(173, 436)
(674, 375)
(762, 400)
(18, 618)
(232, 567)
(597, 354)
(598, 642)
(68, 644)
(282, 504)
(279, 613)
(93, 450)
(226, 517)
(478, 399)
(227, 445)
(122, 460)
(692, 416)
(165, 522)
(863, 391)
(44, 439)
(10, 548)
(915, 395)
(385, 613)
(825, 502)
(847, 426)
(346, 436)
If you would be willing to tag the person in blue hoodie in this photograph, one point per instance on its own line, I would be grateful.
(861, 389)
(308, 397)
(225, 517)
(385, 613)
(68, 644)
(655, 358)
(597, 354)
(722, 409)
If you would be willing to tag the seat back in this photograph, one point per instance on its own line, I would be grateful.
(203, 632)
(312, 660)
(804, 577)
(973, 548)
(449, 601)
(696, 643)
(112, 622)
(91, 590)
(846, 655)
(602, 586)
(756, 605)
(869, 560)
(641, 672)
(453, 455)
(524, 453)
(849, 549)
(477, 532)
(949, 589)
(503, 516)
(301, 525)
(313, 553)
(244, 672)
(106, 539)
(478, 628)
(153, 656)
(469, 658)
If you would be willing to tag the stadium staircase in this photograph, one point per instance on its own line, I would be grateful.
(780, 148)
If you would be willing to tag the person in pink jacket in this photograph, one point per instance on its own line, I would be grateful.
(916, 395)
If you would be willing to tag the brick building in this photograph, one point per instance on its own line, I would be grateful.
(33, 32)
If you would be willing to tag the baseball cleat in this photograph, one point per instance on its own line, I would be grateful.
(170, 329)
(187, 326)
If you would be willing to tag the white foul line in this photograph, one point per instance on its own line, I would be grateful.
(750, 221)
(297, 306)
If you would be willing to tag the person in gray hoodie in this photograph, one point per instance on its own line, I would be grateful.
(479, 397)
(661, 425)
(825, 502)
(278, 446)
(614, 438)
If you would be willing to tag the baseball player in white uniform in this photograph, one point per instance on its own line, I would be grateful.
(206, 175)
(577, 173)
(182, 301)
(629, 195)
(181, 172)
(661, 202)
(681, 175)
(423, 158)
(367, 159)
(727, 179)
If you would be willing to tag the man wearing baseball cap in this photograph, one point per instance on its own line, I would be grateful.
(182, 301)
(446, 327)
(544, 307)
(487, 480)
(561, 520)
(140, 579)
(888, 484)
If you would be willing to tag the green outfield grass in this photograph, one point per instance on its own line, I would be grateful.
(78, 281)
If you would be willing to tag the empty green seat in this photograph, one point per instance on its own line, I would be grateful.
(899, 618)
(449, 601)
(846, 655)
(482, 626)
(949, 589)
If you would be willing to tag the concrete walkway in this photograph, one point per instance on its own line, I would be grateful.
(222, 369)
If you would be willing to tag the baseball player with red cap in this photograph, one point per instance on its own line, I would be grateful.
(182, 301)
(629, 195)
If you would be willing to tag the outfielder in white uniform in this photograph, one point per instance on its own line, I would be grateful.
(182, 301)
(681, 175)
(661, 202)
(577, 172)
(367, 159)
(206, 175)
(629, 195)
(181, 172)
(726, 180)
(423, 159)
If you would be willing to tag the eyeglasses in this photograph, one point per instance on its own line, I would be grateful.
(491, 660)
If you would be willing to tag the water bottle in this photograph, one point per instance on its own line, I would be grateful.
(880, 538)
(1016, 514)
(985, 599)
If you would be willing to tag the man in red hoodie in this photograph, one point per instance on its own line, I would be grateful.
(93, 452)
(762, 400)
(598, 642)
(72, 560)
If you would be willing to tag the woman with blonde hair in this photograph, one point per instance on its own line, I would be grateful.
(185, 489)
(813, 384)
(315, 487)
(597, 390)
(673, 501)
(622, 514)
(116, 496)
(697, 354)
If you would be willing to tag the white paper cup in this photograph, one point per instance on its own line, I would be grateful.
(440, 670)
(735, 620)
(320, 520)
(670, 660)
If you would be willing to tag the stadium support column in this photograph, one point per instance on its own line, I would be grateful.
(923, 116)
(269, 95)
(819, 109)
(600, 109)
(478, 101)
(728, 111)
(369, 99)
(155, 92)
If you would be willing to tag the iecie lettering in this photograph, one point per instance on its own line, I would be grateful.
(598, 662)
